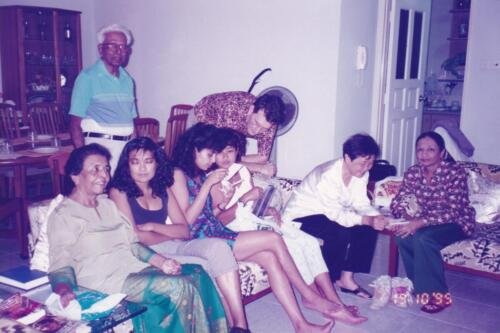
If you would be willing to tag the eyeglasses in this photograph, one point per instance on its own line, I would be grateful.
(96, 169)
(113, 47)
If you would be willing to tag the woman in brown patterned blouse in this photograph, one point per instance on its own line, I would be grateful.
(444, 216)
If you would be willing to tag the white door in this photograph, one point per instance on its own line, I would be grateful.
(407, 56)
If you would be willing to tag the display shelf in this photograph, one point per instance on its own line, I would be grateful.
(38, 45)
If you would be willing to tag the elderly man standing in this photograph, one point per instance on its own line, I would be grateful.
(103, 101)
(255, 117)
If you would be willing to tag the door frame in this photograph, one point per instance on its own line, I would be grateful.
(381, 57)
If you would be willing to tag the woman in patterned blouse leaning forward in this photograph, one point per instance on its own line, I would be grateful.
(444, 216)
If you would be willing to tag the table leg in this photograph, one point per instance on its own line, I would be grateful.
(20, 192)
(393, 256)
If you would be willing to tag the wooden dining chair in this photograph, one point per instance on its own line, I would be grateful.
(46, 118)
(176, 125)
(57, 162)
(148, 127)
(9, 122)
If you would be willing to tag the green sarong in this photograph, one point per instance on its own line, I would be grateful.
(188, 302)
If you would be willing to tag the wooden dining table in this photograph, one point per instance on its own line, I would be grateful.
(28, 155)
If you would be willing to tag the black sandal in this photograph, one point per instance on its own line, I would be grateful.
(359, 291)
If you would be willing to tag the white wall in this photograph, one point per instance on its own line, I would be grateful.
(185, 50)
(480, 119)
(354, 94)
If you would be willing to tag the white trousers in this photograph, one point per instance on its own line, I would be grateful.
(304, 248)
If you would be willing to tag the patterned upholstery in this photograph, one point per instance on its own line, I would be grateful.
(481, 252)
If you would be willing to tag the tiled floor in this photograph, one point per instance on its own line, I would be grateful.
(476, 308)
(476, 305)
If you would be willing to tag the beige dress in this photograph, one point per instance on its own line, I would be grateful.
(77, 239)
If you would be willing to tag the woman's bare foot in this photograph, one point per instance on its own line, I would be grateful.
(306, 327)
(346, 316)
(333, 310)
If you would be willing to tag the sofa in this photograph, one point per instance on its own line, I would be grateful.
(480, 254)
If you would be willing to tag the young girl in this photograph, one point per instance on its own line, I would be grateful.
(303, 248)
(139, 189)
(193, 156)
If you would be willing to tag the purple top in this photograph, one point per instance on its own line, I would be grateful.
(142, 215)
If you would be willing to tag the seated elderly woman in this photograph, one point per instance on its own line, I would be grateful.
(444, 216)
(93, 245)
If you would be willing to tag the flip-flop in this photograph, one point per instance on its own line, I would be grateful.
(359, 291)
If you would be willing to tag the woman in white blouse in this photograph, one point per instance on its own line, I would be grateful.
(331, 203)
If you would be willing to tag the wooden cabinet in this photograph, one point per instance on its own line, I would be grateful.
(447, 105)
(41, 54)
(432, 116)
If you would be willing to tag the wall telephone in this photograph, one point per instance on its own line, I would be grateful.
(361, 57)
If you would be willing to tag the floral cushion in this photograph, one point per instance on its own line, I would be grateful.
(253, 278)
(37, 239)
(481, 252)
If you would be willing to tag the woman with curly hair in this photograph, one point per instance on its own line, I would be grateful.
(193, 156)
(140, 190)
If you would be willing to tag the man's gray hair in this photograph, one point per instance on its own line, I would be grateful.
(115, 28)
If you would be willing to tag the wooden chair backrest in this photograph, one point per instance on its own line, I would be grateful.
(149, 127)
(57, 162)
(176, 125)
(46, 118)
(9, 122)
(180, 109)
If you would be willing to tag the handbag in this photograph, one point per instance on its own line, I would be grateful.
(381, 169)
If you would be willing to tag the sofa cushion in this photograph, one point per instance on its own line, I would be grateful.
(481, 252)
(39, 213)
(253, 278)
(484, 196)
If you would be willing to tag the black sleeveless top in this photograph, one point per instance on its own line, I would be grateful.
(142, 215)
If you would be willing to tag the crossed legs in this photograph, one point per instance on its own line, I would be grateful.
(269, 250)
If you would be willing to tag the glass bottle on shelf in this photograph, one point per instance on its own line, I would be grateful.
(26, 29)
(43, 27)
(67, 32)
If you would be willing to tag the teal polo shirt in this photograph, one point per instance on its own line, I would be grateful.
(103, 97)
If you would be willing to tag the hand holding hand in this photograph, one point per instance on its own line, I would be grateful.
(408, 229)
(171, 267)
(379, 222)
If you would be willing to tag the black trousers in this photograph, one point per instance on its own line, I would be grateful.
(344, 249)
